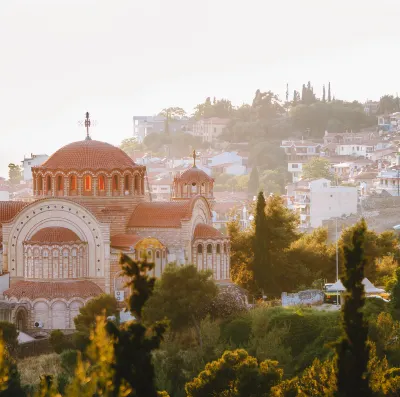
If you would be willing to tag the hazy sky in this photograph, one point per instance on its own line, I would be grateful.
(116, 59)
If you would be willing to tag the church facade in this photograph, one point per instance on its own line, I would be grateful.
(90, 205)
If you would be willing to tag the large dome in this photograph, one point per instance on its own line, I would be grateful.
(88, 155)
(194, 174)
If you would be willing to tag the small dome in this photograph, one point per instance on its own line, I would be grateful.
(194, 174)
(206, 231)
(88, 155)
(54, 235)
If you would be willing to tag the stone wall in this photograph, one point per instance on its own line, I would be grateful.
(308, 297)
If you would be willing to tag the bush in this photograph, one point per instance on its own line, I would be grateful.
(236, 331)
(10, 335)
(69, 360)
(59, 342)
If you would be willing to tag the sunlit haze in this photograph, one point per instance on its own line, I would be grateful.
(60, 59)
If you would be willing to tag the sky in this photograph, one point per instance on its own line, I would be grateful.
(124, 58)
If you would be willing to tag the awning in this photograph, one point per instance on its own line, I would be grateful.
(368, 286)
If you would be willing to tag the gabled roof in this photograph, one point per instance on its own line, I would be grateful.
(207, 232)
(162, 214)
(124, 241)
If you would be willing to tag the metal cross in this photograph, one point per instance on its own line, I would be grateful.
(87, 125)
(194, 158)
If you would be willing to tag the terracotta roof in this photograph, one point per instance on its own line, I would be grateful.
(88, 155)
(206, 231)
(162, 214)
(8, 209)
(367, 175)
(51, 290)
(194, 174)
(124, 241)
(54, 235)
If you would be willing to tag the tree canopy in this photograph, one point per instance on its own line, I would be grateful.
(316, 168)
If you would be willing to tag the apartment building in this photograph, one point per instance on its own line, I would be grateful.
(317, 200)
(32, 161)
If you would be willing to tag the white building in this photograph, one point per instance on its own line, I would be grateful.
(4, 195)
(33, 161)
(228, 162)
(316, 200)
(364, 149)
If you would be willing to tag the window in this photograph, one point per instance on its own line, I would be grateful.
(40, 182)
(209, 249)
(295, 166)
(199, 249)
(29, 163)
(60, 184)
(102, 183)
(48, 183)
(215, 130)
(115, 182)
(88, 183)
(194, 187)
(158, 254)
(72, 182)
(218, 249)
(126, 183)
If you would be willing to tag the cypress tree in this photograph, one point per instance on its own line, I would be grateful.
(329, 92)
(395, 297)
(260, 265)
(304, 94)
(254, 181)
(295, 97)
(352, 350)
(323, 94)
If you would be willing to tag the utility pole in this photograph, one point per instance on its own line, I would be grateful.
(337, 262)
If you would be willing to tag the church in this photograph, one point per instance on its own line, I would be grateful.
(62, 249)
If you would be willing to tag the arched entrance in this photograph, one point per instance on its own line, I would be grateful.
(21, 319)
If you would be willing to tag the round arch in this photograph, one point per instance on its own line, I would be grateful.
(63, 213)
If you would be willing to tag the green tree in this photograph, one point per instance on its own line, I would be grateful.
(59, 342)
(14, 174)
(261, 265)
(387, 104)
(171, 113)
(183, 295)
(352, 350)
(395, 297)
(134, 343)
(316, 168)
(236, 374)
(254, 181)
(9, 334)
(130, 145)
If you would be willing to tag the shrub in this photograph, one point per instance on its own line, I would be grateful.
(59, 342)
(69, 360)
(236, 331)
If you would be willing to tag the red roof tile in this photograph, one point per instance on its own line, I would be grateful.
(124, 241)
(162, 214)
(54, 235)
(88, 155)
(8, 209)
(51, 290)
(206, 231)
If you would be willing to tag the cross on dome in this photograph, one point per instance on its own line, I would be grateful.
(87, 125)
(194, 158)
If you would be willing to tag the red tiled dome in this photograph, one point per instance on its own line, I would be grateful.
(54, 235)
(206, 231)
(51, 290)
(88, 155)
(194, 174)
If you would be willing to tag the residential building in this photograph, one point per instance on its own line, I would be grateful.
(299, 153)
(227, 162)
(32, 161)
(161, 188)
(362, 149)
(389, 123)
(371, 107)
(349, 137)
(317, 200)
(210, 129)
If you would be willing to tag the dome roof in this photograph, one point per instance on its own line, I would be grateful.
(88, 155)
(194, 174)
(54, 235)
(206, 231)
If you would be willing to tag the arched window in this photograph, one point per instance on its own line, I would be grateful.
(137, 184)
(115, 183)
(158, 254)
(209, 249)
(102, 183)
(60, 183)
(218, 249)
(48, 183)
(199, 249)
(40, 183)
(126, 183)
(73, 184)
(88, 183)
(194, 188)
(149, 254)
